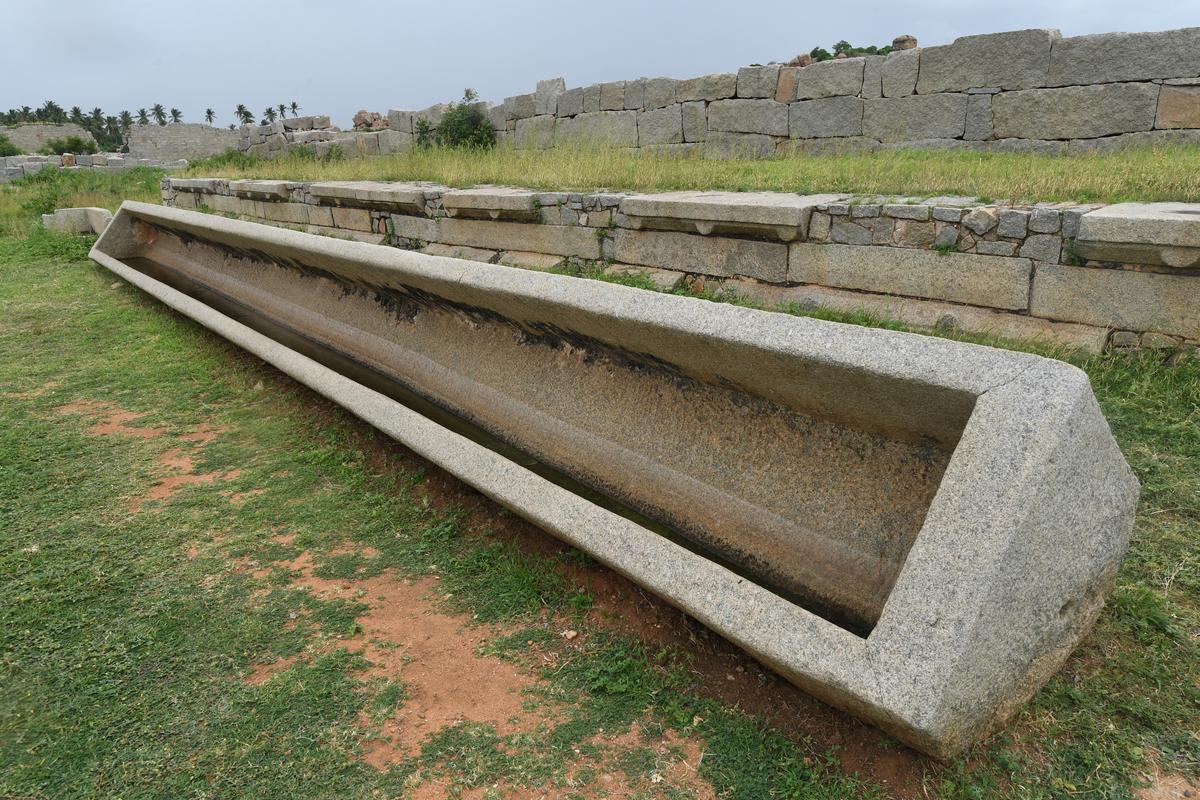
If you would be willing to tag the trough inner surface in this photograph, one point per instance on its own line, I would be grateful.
(821, 512)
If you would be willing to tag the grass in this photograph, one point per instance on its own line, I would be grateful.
(1167, 173)
(123, 657)
(21, 202)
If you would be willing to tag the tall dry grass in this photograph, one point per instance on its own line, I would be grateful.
(1169, 173)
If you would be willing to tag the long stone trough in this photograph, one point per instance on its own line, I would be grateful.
(916, 530)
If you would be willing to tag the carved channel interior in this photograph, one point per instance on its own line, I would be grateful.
(817, 510)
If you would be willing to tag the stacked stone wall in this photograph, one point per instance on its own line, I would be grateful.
(178, 140)
(15, 167)
(1025, 91)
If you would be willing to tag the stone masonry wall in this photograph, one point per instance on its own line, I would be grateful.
(1028, 90)
(32, 137)
(14, 167)
(177, 140)
(945, 262)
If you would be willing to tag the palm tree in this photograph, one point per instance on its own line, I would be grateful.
(243, 114)
(26, 113)
(176, 115)
(76, 115)
(143, 118)
(112, 130)
(97, 116)
(51, 112)
(159, 113)
(126, 121)
(295, 108)
(282, 110)
(269, 115)
(209, 115)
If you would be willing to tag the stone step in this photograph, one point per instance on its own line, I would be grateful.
(780, 215)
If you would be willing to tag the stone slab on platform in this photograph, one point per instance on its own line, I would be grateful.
(266, 190)
(780, 215)
(392, 196)
(1142, 233)
(491, 202)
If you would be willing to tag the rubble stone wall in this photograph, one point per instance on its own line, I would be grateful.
(32, 137)
(937, 263)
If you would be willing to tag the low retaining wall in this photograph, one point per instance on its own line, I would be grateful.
(179, 140)
(32, 137)
(1004, 270)
(14, 167)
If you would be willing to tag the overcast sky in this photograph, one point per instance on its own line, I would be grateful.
(337, 56)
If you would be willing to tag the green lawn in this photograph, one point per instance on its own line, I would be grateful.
(127, 633)
(1168, 173)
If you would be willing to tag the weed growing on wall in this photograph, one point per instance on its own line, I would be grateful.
(7, 148)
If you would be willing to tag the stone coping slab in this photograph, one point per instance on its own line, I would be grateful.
(491, 202)
(1142, 233)
(271, 190)
(1016, 548)
(781, 214)
(395, 196)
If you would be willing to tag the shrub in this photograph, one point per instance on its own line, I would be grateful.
(230, 159)
(7, 148)
(69, 144)
(464, 125)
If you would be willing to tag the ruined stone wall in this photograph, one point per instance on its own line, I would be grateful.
(15, 167)
(1029, 90)
(946, 263)
(32, 137)
(179, 140)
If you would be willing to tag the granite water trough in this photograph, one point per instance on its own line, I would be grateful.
(916, 530)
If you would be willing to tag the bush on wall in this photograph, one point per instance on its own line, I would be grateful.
(464, 125)
(7, 148)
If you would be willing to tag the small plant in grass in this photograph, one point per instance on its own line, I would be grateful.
(69, 144)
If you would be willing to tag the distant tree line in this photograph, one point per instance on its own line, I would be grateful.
(845, 48)
(110, 131)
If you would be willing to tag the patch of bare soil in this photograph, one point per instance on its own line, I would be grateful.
(264, 672)
(720, 670)
(32, 394)
(110, 420)
(433, 654)
(1169, 787)
(177, 464)
(183, 466)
